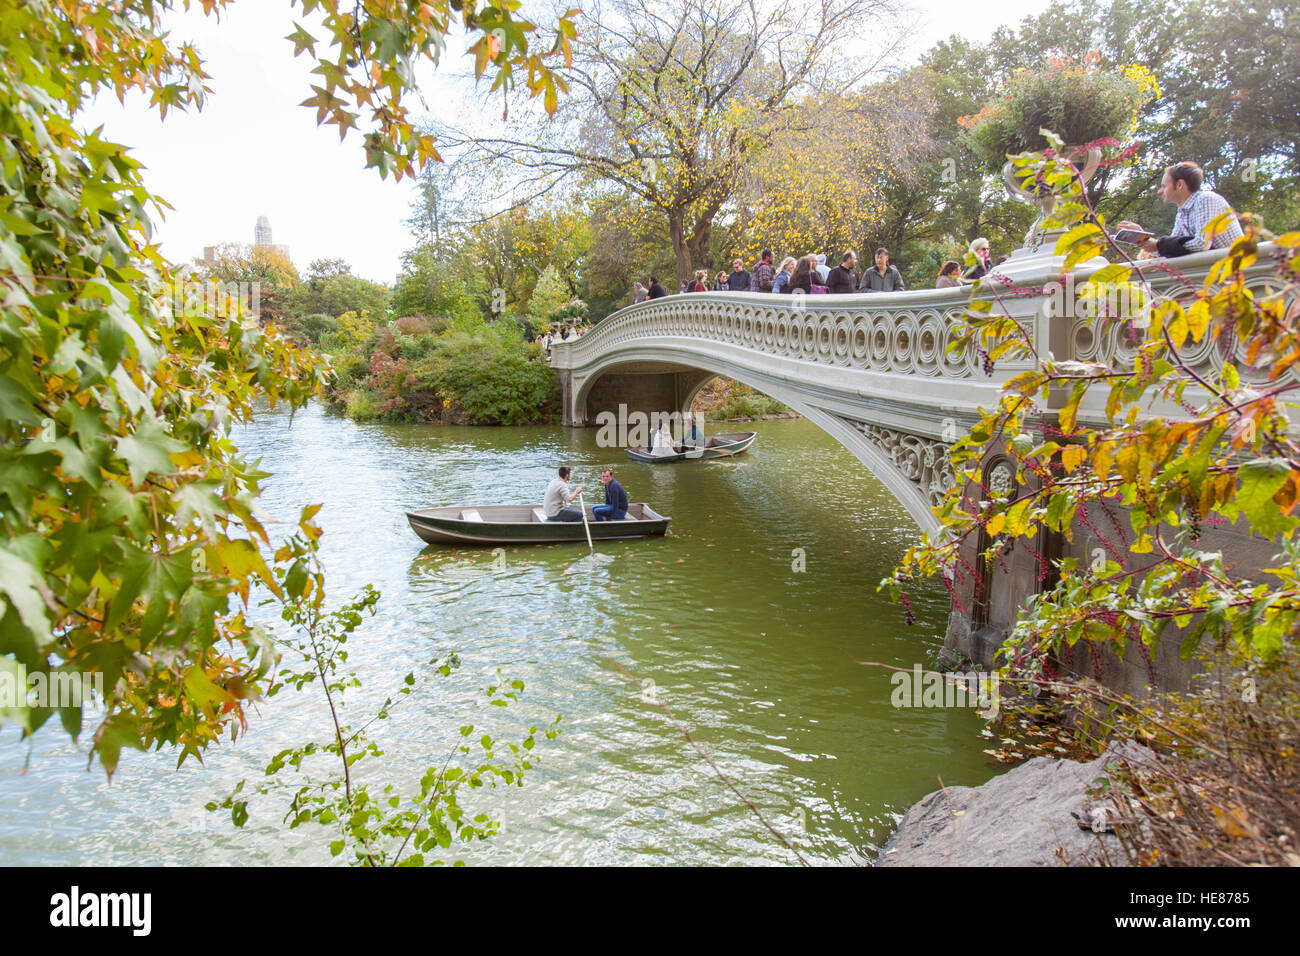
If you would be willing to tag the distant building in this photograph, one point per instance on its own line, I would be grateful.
(262, 232)
(261, 240)
(262, 237)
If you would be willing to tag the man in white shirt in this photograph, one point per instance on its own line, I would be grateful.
(558, 496)
(1181, 186)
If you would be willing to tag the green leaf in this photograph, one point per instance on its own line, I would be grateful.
(1260, 479)
(146, 451)
(23, 586)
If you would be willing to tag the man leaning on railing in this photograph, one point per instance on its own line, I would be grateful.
(1197, 207)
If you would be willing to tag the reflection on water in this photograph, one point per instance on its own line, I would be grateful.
(756, 659)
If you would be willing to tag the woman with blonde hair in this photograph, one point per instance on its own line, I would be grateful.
(979, 248)
(781, 282)
(701, 278)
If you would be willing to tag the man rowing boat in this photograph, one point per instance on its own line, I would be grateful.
(558, 497)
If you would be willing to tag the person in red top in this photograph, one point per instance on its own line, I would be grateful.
(701, 277)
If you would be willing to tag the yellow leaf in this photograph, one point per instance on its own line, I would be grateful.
(1103, 456)
(1126, 460)
(1198, 319)
(1072, 456)
(1178, 330)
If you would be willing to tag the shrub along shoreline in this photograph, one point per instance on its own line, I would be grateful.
(461, 371)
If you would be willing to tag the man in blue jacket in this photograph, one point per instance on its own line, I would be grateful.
(615, 506)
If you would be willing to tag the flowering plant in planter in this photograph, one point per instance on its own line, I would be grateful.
(1080, 102)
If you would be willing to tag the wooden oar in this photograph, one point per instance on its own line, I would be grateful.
(582, 506)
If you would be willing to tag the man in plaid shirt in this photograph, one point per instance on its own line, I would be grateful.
(1181, 186)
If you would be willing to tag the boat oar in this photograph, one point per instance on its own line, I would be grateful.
(582, 506)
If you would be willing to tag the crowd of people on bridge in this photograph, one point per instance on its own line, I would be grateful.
(569, 333)
(1181, 186)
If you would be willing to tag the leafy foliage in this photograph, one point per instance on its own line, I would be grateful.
(276, 277)
(378, 826)
(127, 533)
(1230, 455)
(470, 373)
(330, 289)
(1081, 103)
(128, 538)
(366, 55)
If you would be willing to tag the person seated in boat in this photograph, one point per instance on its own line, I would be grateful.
(663, 442)
(693, 437)
(615, 506)
(558, 497)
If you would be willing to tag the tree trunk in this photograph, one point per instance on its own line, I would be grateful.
(698, 246)
(685, 261)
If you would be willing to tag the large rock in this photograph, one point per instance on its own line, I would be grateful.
(1018, 819)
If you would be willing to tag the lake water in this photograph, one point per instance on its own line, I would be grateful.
(753, 655)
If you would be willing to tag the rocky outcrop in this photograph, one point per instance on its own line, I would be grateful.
(1022, 818)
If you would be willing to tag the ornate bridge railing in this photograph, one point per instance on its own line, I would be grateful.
(874, 370)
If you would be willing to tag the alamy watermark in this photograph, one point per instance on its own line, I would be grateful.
(210, 297)
(981, 690)
(1113, 300)
(19, 690)
(624, 429)
(131, 911)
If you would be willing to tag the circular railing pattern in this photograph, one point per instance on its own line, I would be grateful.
(1115, 343)
(907, 341)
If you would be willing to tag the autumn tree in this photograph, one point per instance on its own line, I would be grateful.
(129, 543)
(330, 288)
(673, 104)
(824, 188)
(276, 277)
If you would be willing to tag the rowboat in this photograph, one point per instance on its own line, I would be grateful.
(718, 446)
(525, 524)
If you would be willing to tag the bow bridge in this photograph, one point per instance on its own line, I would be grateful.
(874, 371)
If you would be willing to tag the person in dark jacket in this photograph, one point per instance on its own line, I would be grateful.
(656, 290)
(615, 506)
(761, 279)
(738, 281)
(979, 248)
(884, 277)
(720, 282)
(844, 277)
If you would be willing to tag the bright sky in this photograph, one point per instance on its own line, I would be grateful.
(253, 151)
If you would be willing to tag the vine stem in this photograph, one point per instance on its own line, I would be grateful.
(318, 660)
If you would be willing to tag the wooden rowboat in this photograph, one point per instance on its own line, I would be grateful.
(719, 446)
(525, 524)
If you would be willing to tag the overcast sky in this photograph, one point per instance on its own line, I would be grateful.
(254, 151)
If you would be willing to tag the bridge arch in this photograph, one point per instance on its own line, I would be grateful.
(665, 376)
